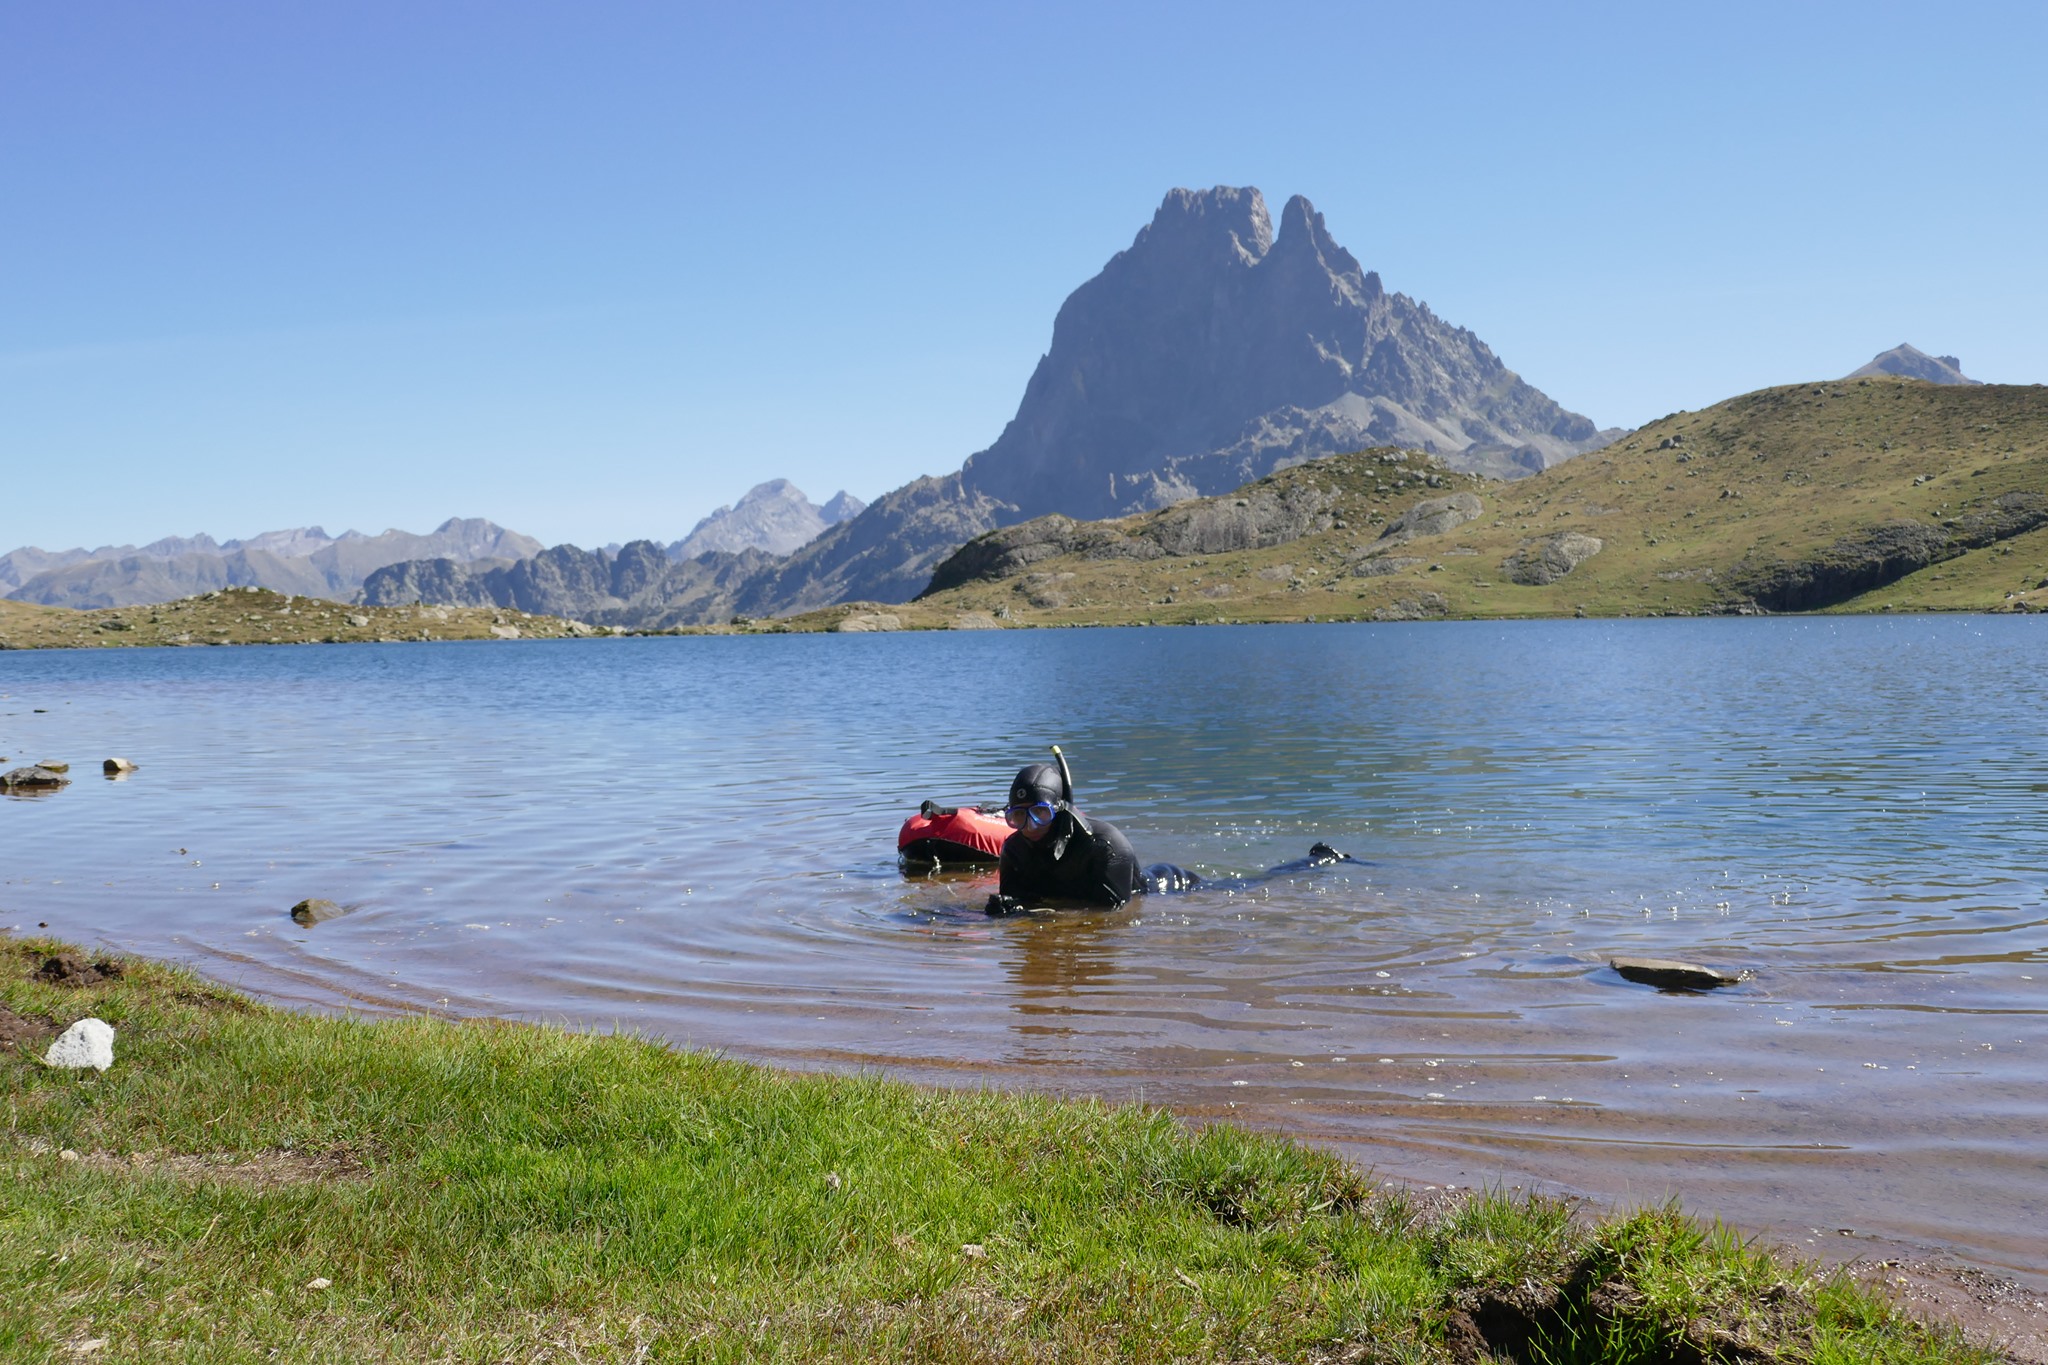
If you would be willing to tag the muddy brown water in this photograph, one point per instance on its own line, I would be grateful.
(694, 838)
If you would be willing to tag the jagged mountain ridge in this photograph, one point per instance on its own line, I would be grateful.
(774, 516)
(304, 561)
(893, 544)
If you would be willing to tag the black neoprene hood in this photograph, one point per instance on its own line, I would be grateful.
(1036, 782)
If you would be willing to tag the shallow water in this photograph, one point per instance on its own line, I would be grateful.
(694, 838)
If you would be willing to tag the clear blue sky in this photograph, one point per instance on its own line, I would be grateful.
(592, 269)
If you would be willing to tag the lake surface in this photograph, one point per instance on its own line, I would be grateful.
(694, 838)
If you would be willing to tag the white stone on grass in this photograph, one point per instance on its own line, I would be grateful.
(89, 1042)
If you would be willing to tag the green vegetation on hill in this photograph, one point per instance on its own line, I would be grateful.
(1858, 495)
(247, 1184)
(258, 616)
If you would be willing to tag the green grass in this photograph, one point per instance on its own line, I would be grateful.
(479, 1191)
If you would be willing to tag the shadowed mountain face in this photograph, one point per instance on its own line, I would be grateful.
(1911, 362)
(306, 562)
(1210, 353)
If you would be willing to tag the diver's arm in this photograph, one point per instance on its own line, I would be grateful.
(1114, 865)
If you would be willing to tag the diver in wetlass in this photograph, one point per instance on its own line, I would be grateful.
(1058, 854)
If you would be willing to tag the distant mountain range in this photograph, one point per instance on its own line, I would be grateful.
(1910, 362)
(773, 519)
(307, 562)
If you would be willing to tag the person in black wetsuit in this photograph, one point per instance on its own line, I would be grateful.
(1057, 853)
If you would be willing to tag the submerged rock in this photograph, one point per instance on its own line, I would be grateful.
(1671, 975)
(315, 911)
(87, 1043)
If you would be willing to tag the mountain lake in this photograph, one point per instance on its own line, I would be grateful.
(694, 838)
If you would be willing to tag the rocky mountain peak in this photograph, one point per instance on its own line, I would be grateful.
(1913, 363)
(774, 516)
(1209, 353)
(1303, 236)
(844, 506)
(1223, 224)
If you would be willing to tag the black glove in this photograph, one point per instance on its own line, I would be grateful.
(1000, 904)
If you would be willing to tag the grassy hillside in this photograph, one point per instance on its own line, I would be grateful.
(246, 616)
(1811, 496)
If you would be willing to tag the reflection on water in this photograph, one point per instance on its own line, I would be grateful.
(694, 837)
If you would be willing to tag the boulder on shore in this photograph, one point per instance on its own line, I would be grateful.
(87, 1043)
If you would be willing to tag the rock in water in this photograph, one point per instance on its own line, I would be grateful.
(117, 765)
(33, 778)
(1670, 975)
(89, 1042)
(315, 911)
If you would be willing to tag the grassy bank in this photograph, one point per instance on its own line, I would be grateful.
(251, 1184)
(258, 616)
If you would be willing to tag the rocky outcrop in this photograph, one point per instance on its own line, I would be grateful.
(1542, 562)
(1211, 352)
(305, 563)
(1914, 363)
(1430, 517)
(1881, 554)
(1252, 519)
(1255, 519)
(775, 517)
(1014, 549)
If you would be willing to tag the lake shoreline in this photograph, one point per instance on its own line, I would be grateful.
(257, 616)
(169, 1018)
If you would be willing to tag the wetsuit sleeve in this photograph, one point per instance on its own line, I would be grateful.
(1016, 877)
(1115, 864)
